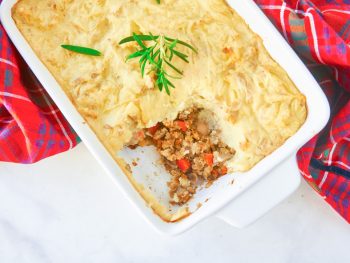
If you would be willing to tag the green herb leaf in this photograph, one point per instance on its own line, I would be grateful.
(140, 37)
(135, 55)
(173, 67)
(82, 50)
(182, 43)
(138, 40)
(154, 38)
(180, 55)
(159, 56)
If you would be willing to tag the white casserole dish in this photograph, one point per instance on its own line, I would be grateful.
(248, 197)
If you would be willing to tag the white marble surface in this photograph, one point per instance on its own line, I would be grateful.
(66, 209)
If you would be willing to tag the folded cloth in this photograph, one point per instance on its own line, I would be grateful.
(319, 31)
(32, 128)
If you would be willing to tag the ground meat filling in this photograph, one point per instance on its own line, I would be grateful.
(191, 151)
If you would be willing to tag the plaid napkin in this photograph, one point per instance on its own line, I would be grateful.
(32, 128)
(319, 31)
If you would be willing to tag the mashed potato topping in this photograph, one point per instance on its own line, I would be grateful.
(257, 106)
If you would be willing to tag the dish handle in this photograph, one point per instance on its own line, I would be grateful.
(281, 182)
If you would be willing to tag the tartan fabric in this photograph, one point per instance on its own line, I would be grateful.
(319, 31)
(32, 128)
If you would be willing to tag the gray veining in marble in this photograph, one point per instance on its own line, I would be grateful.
(66, 209)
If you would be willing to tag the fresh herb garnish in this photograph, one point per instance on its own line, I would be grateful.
(82, 50)
(158, 1)
(159, 56)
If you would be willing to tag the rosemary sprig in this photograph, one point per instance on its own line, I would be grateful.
(82, 50)
(159, 55)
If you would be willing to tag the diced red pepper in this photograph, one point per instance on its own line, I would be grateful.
(182, 125)
(153, 129)
(215, 173)
(140, 135)
(227, 50)
(224, 170)
(183, 164)
(219, 172)
(209, 158)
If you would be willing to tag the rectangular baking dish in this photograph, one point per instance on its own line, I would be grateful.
(248, 197)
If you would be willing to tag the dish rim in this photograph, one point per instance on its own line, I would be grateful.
(311, 127)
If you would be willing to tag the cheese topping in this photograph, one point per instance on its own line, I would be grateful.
(257, 106)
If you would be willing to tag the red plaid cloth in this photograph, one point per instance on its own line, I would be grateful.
(32, 128)
(319, 31)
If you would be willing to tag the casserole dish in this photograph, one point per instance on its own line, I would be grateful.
(225, 189)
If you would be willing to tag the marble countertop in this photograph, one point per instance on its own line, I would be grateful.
(66, 209)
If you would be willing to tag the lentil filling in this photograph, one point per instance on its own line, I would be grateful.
(191, 152)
